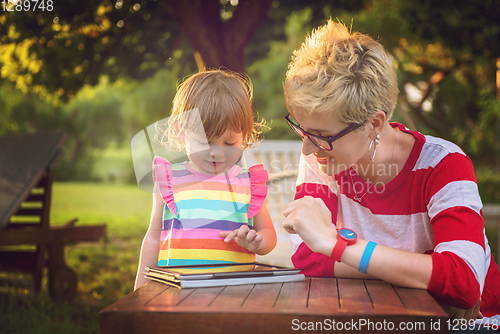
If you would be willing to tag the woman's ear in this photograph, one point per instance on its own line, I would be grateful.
(377, 122)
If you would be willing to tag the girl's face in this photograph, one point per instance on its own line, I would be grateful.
(347, 151)
(216, 155)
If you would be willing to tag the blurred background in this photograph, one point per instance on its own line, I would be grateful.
(104, 70)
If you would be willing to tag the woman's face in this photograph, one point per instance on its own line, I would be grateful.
(214, 156)
(347, 151)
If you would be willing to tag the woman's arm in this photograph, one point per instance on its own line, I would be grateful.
(151, 243)
(391, 265)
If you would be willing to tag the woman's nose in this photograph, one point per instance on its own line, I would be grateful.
(308, 147)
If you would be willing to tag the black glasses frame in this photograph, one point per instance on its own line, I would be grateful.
(351, 127)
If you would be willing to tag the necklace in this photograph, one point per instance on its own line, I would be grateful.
(358, 198)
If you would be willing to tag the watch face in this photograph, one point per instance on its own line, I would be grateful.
(348, 234)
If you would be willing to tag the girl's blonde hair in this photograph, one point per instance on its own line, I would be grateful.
(347, 74)
(222, 99)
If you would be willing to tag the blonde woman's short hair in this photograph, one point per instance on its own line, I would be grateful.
(221, 98)
(336, 71)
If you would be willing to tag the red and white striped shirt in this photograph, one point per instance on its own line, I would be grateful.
(432, 206)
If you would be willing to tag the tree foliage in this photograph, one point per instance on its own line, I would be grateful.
(445, 53)
(61, 51)
(268, 74)
(453, 58)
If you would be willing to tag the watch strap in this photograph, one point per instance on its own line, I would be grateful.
(338, 250)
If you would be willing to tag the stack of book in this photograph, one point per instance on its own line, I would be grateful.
(210, 275)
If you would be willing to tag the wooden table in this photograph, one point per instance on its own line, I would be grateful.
(322, 304)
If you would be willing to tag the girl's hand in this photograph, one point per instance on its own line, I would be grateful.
(310, 218)
(245, 237)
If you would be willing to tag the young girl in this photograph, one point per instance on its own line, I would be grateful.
(208, 209)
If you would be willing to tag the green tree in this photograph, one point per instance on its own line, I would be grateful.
(446, 54)
(20, 112)
(219, 36)
(268, 74)
(60, 50)
(454, 54)
(148, 101)
(92, 119)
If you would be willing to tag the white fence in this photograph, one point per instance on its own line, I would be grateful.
(281, 160)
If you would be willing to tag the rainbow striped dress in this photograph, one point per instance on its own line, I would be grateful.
(198, 207)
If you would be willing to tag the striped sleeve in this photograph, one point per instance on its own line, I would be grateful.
(454, 208)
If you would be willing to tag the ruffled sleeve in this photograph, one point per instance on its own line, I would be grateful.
(162, 174)
(258, 179)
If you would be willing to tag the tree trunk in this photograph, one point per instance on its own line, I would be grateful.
(218, 43)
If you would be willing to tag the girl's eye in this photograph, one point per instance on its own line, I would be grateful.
(230, 144)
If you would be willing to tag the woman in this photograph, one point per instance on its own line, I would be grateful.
(411, 199)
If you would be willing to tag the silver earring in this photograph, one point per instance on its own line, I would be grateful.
(373, 145)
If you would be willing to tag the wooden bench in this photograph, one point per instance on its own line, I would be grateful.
(27, 241)
(281, 160)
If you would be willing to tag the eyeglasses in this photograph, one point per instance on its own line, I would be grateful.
(324, 143)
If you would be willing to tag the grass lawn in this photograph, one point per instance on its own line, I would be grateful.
(106, 269)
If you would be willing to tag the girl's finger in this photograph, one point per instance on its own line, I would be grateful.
(258, 239)
(230, 236)
(251, 236)
(242, 232)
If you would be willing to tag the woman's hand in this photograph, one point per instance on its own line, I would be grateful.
(458, 313)
(245, 237)
(310, 218)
